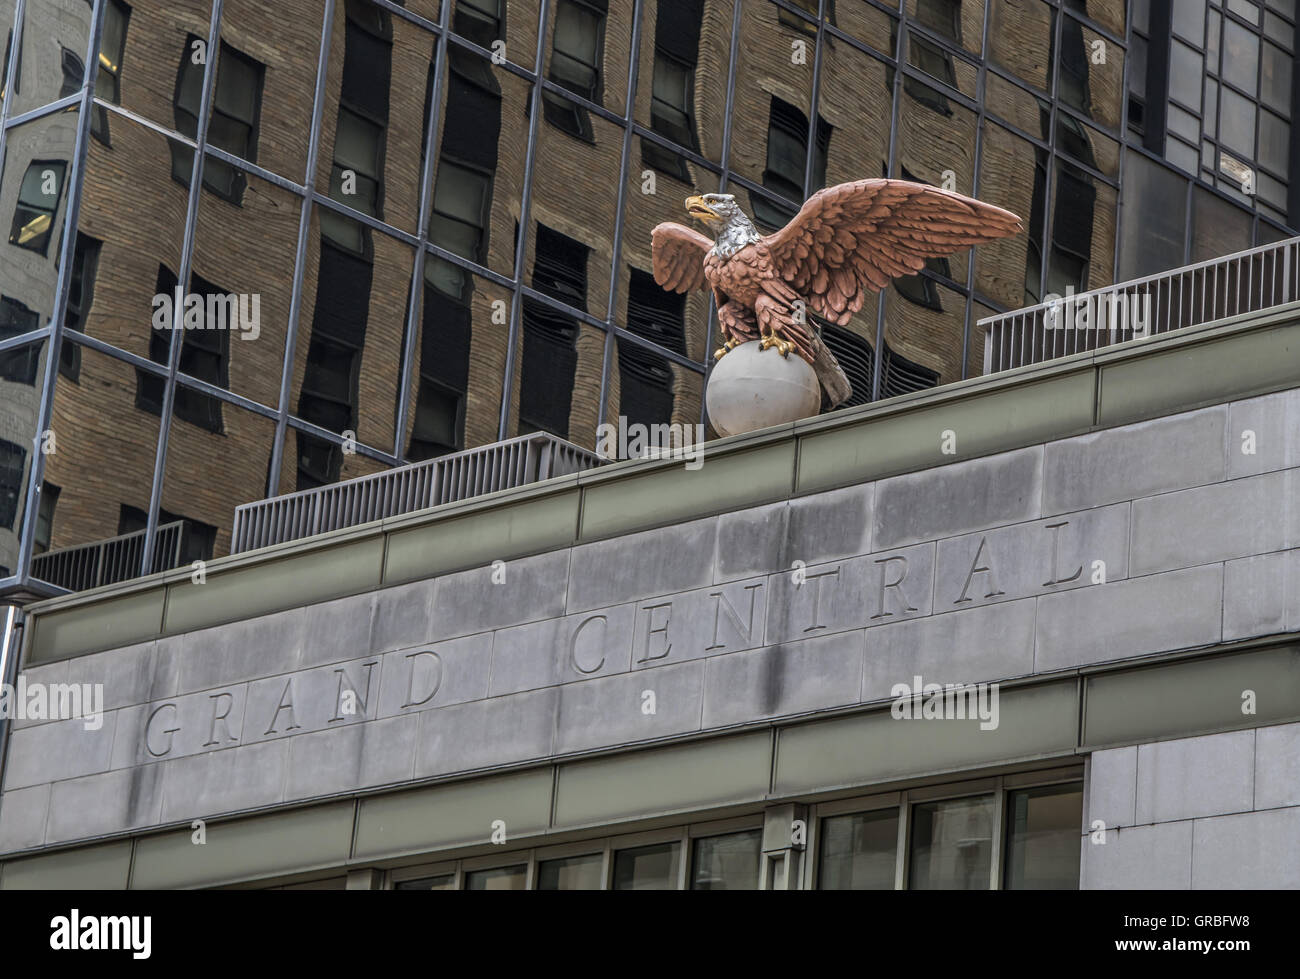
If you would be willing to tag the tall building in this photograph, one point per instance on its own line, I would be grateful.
(437, 260)
(425, 228)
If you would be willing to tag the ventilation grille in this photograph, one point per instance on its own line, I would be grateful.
(107, 562)
(1245, 282)
(446, 479)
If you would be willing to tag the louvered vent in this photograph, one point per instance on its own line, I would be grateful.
(446, 479)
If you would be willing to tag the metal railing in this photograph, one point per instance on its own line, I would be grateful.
(107, 562)
(1245, 282)
(459, 476)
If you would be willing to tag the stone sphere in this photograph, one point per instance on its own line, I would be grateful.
(751, 388)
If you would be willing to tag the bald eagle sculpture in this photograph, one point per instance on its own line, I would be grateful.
(844, 241)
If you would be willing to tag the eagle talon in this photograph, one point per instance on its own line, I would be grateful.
(783, 347)
(727, 347)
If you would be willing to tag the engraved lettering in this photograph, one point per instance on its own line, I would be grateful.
(977, 568)
(360, 698)
(721, 602)
(896, 584)
(410, 680)
(1055, 579)
(169, 731)
(657, 630)
(817, 597)
(212, 729)
(286, 703)
(573, 643)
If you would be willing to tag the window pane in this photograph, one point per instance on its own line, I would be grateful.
(577, 32)
(1240, 56)
(237, 87)
(1043, 837)
(1277, 79)
(1237, 124)
(460, 193)
(50, 27)
(1219, 227)
(647, 868)
(443, 882)
(1154, 219)
(1189, 19)
(952, 844)
(726, 863)
(570, 873)
(1274, 142)
(497, 879)
(356, 147)
(858, 851)
(1185, 75)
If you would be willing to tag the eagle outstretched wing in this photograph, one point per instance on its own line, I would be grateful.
(678, 256)
(860, 235)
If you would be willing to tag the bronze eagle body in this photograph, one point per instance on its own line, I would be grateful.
(844, 241)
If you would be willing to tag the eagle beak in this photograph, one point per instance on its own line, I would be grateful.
(696, 208)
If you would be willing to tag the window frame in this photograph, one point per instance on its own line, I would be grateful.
(233, 190)
(683, 835)
(46, 236)
(904, 800)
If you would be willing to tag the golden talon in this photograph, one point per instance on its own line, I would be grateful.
(772, 340)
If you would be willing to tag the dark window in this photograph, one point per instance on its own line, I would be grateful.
(1076, 202)
(726, 863)
(13, 462)
(655, 313)
(439, 421)
(205, 354)
(108, 82)
(38, 201)
(330, 386)
(356, 178)
(319, 461)
(645, 384)
(787, 154)
(672, 94)
(1073, 87)
(233, 123)
(1042, 838)
(81, 292)
(445, 339)
(646, 378)
(467, 161)
(576, 45)
(858, 852)
(1137, 86)
(18, 366)
(74, 73)
(481, 21)
(550, 355)
(45, 518)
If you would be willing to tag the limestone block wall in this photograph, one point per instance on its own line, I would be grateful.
(1219, 811)
(1179, 533)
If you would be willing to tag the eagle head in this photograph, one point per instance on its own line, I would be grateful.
(714, 210)
(731, 227)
